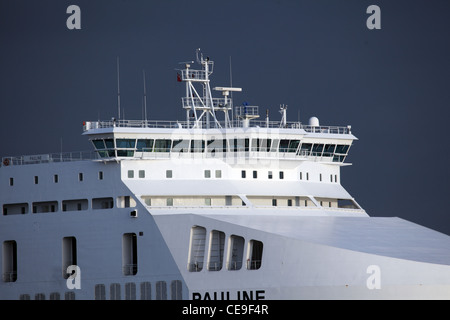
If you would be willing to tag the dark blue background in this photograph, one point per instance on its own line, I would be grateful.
(317, 57)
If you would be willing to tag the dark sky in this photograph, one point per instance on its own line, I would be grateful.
(318, 57)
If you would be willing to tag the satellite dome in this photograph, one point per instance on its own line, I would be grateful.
(314, 122)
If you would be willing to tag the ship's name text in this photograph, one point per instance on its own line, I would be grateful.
(227, 295)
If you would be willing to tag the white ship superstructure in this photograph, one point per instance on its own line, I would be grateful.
(223, 205)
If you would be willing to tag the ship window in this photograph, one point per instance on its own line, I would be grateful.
(36, 179)
(144, 145)
(11, 181)
(55, 178)
(254, 255)
(197, 249)
(274, 202)
(197, 145)
(269, 175)
(39, 296)
(347, 204)
(161, 290)
(146, 291)
(307, 176)
(180, 146)
(284, 145)
(305, 148)
(341, 149)
(129, 254)
(162, 145)
(207, 201)
(243, 174)
(125, 143)
(99, 292)
(109, 143)
(236, 252)
(281, 174)
(9, 261)
(122, 202)
(141, 174)
(207, 173)
(74, 205)
(114, 291)
(255, 174)
(98, 144)
(69, 254)
(218, 173)
(45, 206)
(274, 147)
(100, 175)
(15, 208)
(130, 291)
(102, 203)
(328, 150)
(131, 174)
(317, 149)
(168, 173)
(169, 202)
(289, 202)
(216, 249)
(80, 176)
(320, 177)
(335, 178)
(176, 290)
(301, 176)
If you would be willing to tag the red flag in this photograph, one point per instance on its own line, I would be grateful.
(178, 77)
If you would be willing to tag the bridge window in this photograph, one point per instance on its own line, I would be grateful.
(180, 146)
(197, 145)
(305, 149)
(144, 145)
(163, 145)
(216, 250)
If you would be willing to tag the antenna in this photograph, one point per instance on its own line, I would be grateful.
(145, 99)
(118, 89)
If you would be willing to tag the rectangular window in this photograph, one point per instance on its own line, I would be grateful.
(141, 174)
(130, 174)
(11, 181)
(207, 201)
(270, 175)
(274, 202)
(102, 203)
(281, 174)
(9, 261)
(36, 179)
(55, 178)
(129, 254)
(254, 255)
(289, 202)
(99, 292)
(320, 177)
(243, 174)
(176, 290)
(161, 290)
(69, 254)
(301, 176)
(216, 249)
(146, 291)
(100, 175)
(80, 176)
(114, 291)
(236, 252)
(255, 174)
(168, 173)
(169, 202)
(197, 250)
(207, 173)
(75, 205)
(307, 176)
(218, 173)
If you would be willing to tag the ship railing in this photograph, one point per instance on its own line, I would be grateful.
(49, 158)
(218, 103)
(215, 266)
(234, 265)
(90, 125)
(195, 266)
